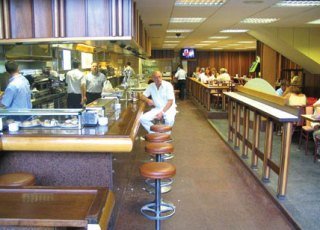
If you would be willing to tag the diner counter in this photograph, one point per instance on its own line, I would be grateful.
(82, 157)
(118, 136)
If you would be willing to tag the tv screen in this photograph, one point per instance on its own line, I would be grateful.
(188, 53)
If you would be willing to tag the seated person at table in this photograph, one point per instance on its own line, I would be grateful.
(294, 97)
(202, 76)
(296, 79)
(162, 100)
(316, 125)
(210, 75)
(282, 89)
(224, 76)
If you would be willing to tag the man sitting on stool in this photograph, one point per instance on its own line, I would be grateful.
(162, 98)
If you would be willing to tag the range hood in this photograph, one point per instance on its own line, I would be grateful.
(41, 48)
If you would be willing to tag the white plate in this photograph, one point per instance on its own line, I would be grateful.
(28, 126)
(49, 125)
(68, 125)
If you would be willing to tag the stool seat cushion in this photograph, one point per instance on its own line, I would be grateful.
(161, 128)
(17, 179)
(157, 170)
(159, 148)
(158, 137)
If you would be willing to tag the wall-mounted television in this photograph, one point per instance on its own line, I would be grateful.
(188, 53)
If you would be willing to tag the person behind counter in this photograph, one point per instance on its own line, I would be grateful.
(283, 87)
(181, 75)
(17, 95)
(128, 72)
(75, 88)
(162, 98)
(93, 84)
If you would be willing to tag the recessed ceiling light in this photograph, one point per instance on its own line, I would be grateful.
(234, 31)
(186, 20)
(200, 2)
(246, 42)
(232, 44)
(314, 22)
(179, 31)
(218, 37)
(252, 1)
(217, 48)
(155, 25)
(259, 20)
(171, 41)
(200, 44)
(289, 3)
(174, 36)
(208, 41)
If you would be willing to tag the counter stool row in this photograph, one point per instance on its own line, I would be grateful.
(159, 174)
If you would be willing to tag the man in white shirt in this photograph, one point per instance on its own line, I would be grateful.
(224, 76)
(181, 75)
(75, 89)
(162, 98)
(128, 72)
(93, 83)
(282, 88)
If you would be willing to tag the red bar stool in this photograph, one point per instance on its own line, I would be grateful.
(159, 151)
(158, 137)
(157, 210)
(161, 128)
(17, 179)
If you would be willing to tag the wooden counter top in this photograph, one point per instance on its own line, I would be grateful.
(117, 137)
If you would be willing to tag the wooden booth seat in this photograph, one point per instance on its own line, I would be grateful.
(17, 179)
(56, 207)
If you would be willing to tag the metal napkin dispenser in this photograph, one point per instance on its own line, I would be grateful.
(90, 117)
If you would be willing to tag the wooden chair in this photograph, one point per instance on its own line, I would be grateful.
(306, 130)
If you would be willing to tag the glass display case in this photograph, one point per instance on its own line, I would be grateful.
(41, 118)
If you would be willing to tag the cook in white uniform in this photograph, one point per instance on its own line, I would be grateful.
(162, 98)
(94, 83)
(74, 80)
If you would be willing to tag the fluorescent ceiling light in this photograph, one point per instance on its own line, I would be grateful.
(234, 31)
(171, 42)
(186, 20)
(246, 42)
(314, 22)
(179, 31)
(232, 44)
(259, 20)
(208, 41)
(200, 2)
(217, 48)
(174, 36)
(201, 44)
(287, 3)
(218, 37)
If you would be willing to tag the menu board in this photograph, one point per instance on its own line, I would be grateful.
(86, 60)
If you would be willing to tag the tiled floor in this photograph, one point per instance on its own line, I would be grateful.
(212, 189)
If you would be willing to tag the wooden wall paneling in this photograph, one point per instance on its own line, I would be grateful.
(268, 65)
(1, 21)
(127, 18)
(75, 18)
(99, 15)
(6, 19)
(21, 20)
(43, 18)
(140, 31)
(135, 22)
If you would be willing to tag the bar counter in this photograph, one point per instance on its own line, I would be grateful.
(78, 157)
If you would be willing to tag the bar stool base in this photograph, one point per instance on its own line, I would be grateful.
(166, 211)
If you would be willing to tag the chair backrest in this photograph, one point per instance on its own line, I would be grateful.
(301, 110)
(309, 111)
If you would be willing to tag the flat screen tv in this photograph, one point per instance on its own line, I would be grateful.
(188, 53)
